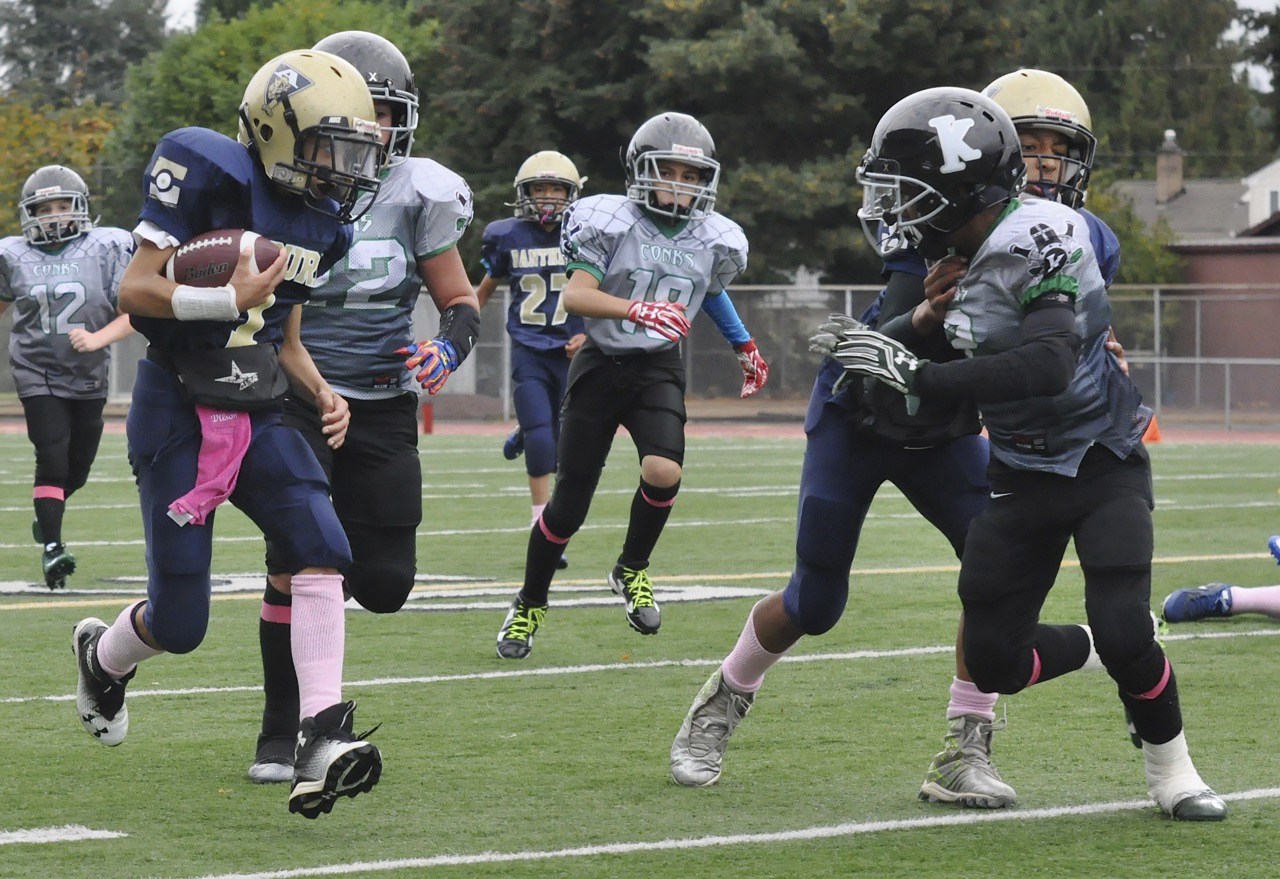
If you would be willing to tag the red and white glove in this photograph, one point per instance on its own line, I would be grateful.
(755, 372)
(667, 319)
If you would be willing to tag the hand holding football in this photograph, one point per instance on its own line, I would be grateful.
(209, 259)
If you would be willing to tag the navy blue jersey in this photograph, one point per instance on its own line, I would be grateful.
(529, 257)
(1106, 246)
(199, 180)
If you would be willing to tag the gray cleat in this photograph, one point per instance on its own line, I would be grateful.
(697, 754)
(963, 772)
(1202, 805)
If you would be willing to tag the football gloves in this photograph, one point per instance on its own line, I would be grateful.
(438, 358)
(862, 351)
(667, 319)
(755, 372)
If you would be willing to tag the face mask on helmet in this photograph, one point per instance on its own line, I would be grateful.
(938, 158)
(54, 206)
(387, 74)
(536, 173)
(309, 118)
(671, 167)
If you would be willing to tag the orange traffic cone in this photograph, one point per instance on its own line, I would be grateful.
(1152, 434)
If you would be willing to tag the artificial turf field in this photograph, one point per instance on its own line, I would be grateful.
(556, 766)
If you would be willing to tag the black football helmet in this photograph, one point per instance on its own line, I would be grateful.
(938, 158)
(672, 137)
(47, 184)
(389, 78)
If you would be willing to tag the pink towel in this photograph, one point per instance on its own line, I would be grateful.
(224, 438)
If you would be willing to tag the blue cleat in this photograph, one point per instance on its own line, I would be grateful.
(1200, 603)
(514, 446)
(1273, 544)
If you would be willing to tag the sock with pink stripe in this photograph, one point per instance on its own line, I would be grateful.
(745, 666)
(279, 681)
(120, 648)
(317, 640)
(650, 509)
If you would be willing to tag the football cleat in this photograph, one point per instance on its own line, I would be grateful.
(1202, 805)
(515, 638)
(273, 762)
(1273, 544)
(963, 772)
(697, 754)
(636, 589)
(1200, 603)
(562, 563)
(58, 564)
(514, 446)
(330, 762)
(99, 697)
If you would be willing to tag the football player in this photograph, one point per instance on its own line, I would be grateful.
(640, 267)
(307, 153)
(358, 315)
(1065, 422)
(525, 251)
(859, 436)
(62, 273)
(1214, 600)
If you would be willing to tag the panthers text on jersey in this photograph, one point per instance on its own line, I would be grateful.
(633, 257)
(362, 309)
(1040, 247)
(198, 181)
(529, 257)
(56, 290)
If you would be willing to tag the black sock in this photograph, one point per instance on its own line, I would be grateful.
(650, 509)
(1157, 720)
(1062, 649)
(279, 680)
(49, 515)
(539, 565)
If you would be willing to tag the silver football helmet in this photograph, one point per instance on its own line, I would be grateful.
(48, 184)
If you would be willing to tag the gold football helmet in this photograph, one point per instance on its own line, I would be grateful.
(1040, 99)
(309, 118)
(547, 166)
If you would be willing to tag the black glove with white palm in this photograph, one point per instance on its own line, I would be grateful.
(863, 351)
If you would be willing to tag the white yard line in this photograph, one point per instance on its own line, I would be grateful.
(555, 671)
(807, 834)
(65, 833)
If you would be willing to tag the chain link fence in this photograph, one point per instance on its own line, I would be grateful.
(1199, 355)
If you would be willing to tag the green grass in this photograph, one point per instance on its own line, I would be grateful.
(548, 762)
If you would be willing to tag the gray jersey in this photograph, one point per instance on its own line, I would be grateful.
(612, 237)
(1040, 246)
(363, 309)
(55, 291)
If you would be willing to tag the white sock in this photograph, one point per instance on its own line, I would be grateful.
(120, 649)
(1171, 776)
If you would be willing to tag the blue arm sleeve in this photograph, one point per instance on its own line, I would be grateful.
(721, 309)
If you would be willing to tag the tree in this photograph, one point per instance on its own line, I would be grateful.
(1262, 31)
(62, 52)
(226, 10)
(198, 78)
(33, 136)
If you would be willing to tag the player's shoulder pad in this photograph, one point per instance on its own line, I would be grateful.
(205, 151)
(721, 230)
(11, 244)
(606, 213)
(431, 181)
(499, 229)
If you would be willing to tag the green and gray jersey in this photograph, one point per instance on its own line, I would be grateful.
(363, 309)
(633, 257)
(1040, 247)
(55, 291)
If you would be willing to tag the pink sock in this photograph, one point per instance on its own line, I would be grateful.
(537, 514)
(120, 649)
(317, 640)
(746, 664)
(1256, 599)
(966, 698)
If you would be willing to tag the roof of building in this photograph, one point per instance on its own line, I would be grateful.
(1207, 208)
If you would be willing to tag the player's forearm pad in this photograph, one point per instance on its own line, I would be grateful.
(460, 324)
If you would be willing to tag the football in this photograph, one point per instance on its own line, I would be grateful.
(209, 259)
